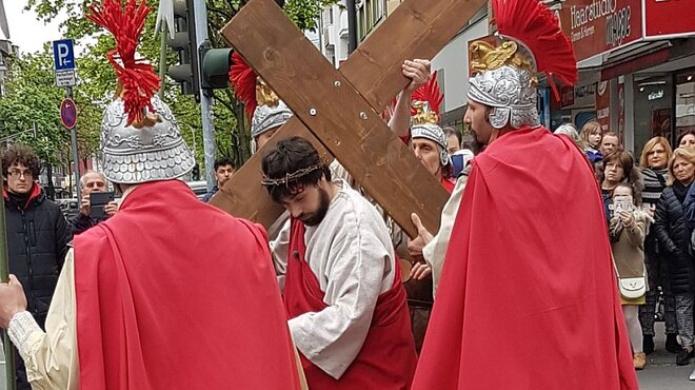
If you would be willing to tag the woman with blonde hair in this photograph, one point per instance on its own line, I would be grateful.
(654, 170)
(673, 234)
(590, 138)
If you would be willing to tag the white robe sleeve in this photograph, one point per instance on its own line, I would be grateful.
(435, 251)
(279, 248)
(355, 269)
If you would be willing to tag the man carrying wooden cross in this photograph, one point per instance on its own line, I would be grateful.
(170, 293)
(527, 298)
(342, 288)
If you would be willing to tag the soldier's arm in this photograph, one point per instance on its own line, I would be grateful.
(418, 71)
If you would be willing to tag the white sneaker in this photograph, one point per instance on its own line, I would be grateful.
(692, 376)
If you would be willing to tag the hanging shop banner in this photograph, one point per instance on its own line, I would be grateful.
(603, 105)
(621, 112)
(668, 17)
(598, 26)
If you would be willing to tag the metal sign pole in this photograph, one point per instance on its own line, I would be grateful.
(209, 145)
(8, 348)
(75, 157)
(64, 65)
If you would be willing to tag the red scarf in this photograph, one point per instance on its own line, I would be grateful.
(387, 359)
(174, 294)
(528, 296)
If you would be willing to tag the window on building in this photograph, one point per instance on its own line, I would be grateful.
(369, 16)
(653, 108)
(685, 102)
(361, 17)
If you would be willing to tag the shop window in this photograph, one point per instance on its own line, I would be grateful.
(685, 102)
(653, 109)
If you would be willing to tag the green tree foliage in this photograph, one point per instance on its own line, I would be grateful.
(30, 108)
(97, 81)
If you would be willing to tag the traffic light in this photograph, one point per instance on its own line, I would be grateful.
(215, 65)
(184, 42)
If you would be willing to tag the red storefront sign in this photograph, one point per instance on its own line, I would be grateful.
(669, 17)
(598, 26)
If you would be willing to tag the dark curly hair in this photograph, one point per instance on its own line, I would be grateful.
(288, 157)
(224, 161)
(21, 154)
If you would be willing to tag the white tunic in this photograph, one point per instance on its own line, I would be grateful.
(351, 254)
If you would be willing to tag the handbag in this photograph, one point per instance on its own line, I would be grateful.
(632, 288)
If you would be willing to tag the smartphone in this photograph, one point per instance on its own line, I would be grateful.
(623, 203)
(457, 164)
(97, 202)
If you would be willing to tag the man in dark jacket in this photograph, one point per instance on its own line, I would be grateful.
(90, 182)
(37, 235)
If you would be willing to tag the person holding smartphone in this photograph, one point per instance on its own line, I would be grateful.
(628, 227)
(91, 213)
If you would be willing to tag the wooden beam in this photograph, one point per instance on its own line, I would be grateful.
(325, 101)
(416, 29)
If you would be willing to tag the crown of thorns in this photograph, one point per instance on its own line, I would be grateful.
(270, 182)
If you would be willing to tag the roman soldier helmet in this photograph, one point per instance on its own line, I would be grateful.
(140, 138)
(263, 106)
(424, 116)
(529, 40)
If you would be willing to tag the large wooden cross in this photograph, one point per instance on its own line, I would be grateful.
(339, 109)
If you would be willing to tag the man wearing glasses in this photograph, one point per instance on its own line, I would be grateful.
(37, 235)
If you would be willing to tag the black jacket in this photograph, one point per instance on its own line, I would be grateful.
(38, 238)
(81, 222)
(672, 232)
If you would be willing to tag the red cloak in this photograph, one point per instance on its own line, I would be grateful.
(175, 294)
(387, 359)
(528, 296)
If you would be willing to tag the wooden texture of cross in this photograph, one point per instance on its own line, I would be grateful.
(338, 109)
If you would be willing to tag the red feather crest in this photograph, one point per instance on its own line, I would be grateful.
(533, 24)
(138, 79)
(429, 92)
(243, 79)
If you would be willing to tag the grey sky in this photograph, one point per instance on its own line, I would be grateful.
(25, 31)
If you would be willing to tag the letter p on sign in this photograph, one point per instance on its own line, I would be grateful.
(63, 55)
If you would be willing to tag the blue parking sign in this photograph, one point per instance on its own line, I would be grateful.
(63, 54)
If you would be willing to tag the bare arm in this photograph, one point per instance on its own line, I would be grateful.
(418, 71)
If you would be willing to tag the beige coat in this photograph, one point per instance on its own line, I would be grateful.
(628, 245)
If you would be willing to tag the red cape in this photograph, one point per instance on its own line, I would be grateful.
(174, 294)
(528, 296)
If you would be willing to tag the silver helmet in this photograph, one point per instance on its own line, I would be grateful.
(506, 82)
(435, 134)
(155, 151)
(269, 116)
(425, 124)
